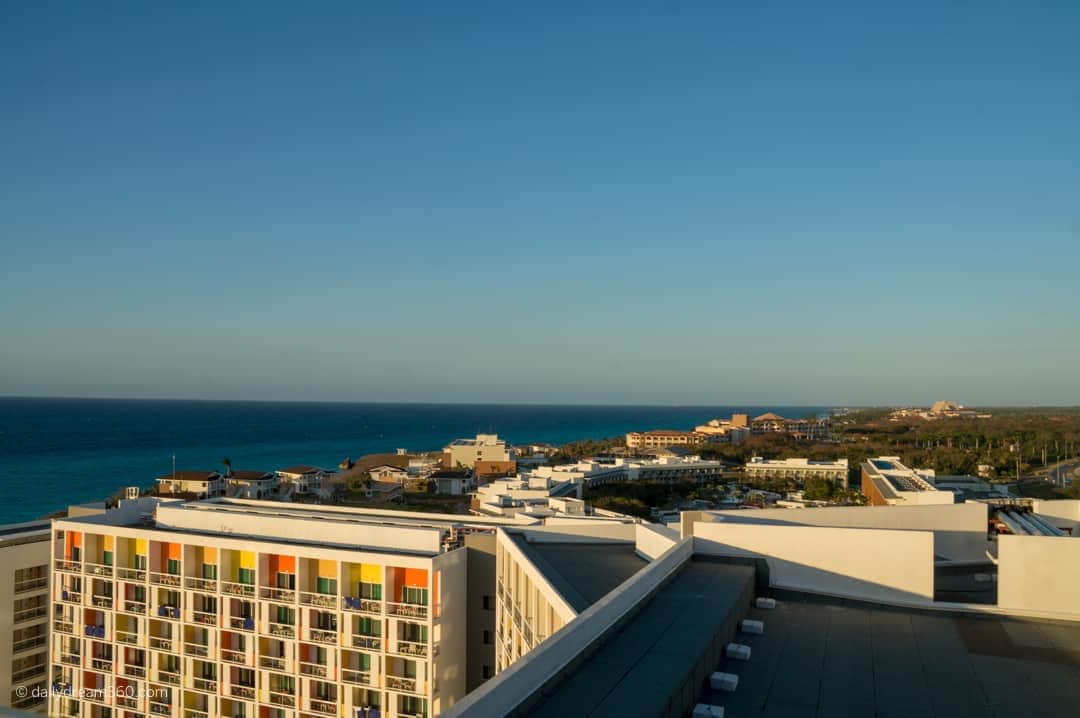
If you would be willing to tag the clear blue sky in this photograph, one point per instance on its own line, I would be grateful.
(666, 202)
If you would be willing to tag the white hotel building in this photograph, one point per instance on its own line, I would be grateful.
(258, 609)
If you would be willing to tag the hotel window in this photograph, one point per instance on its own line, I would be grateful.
(322, 691)
(140, 563)
(414, 595)
(171, 663)
(106, 557)
(365, 662)
(370, 627)
(245, 677)
(284, 615)
(76, 553)
(209, 571)
(286, 580)
(326, 585)
(487, 603)
(245, 576)
(173, 566)
(371, 591)
(487, 672)
(415, 633)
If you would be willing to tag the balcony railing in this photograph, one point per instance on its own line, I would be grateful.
(349, 675)
(196, 649)
(125, 701)
(209, 585)
(204, 617)
(400, 683)
(275, 663)
(362, 605)
(161, 643)
(71, 597)
(412, 648)
(94, 694)
(282, 630)
(161, 709)
(102, 601)
(241, 623)
(195, 713)
(324, 707)
(208, 685)
(246, 693)
(237, 589)
(407, 610)
(129, 637)
(165, 579)
(282, 699)
(99, 569)
(313, 669)
(30, 614)
(168, 677)
(67, 566)
(323, 636)
(28, 643)
(31, 584)
(230, 656)
(131, 574)
(138, 607)
(167, 611)
(63, 627)
(324, 600)
(105, 665)
(373, 643)
(284, 595)
(72, 659)
(135, 671)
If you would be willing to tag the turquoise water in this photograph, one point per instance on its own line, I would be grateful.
(54, 452)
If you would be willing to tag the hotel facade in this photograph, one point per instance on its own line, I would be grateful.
(234, 608)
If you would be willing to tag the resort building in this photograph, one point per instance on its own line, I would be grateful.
(797, 469)
(887, 482)
(251, 484)
(232, 607)
(772, 423)
(465, 453)
(657, 438)
(386, 472)
(24, 615)
(197, 484)
(303, 479)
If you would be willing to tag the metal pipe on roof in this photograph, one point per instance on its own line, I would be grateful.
(1013, 526)
(1050, 528)
(1031, 528)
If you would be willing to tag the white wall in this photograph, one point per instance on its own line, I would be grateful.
(959, 529)
(1064, 513)
(654, 539)
(450, 631)
(868, 564)
(1040, 574)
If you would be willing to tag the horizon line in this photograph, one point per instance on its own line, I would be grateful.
(4, 397)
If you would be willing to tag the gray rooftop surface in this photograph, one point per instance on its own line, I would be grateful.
(821, 658)
(582, 573)
(652, 658)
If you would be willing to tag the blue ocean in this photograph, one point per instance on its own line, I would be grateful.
(55, 452)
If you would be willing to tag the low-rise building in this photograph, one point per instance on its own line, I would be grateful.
(797, 469)
(773, 423)
(198, 484)
(657, 438)
(251, 484)
(304, 479)
(386, 472)
(887, 482)
(465, 453)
